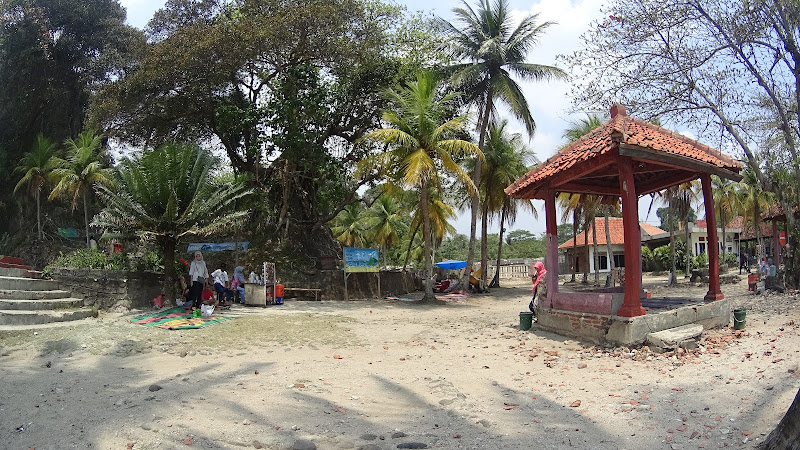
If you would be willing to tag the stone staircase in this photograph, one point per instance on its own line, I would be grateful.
(26, 300)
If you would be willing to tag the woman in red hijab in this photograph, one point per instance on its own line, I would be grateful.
(539, 278)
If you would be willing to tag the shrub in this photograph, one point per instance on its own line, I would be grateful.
(700, 261)
(88, 258)
(730, 259)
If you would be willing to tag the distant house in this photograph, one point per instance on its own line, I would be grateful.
(575, 251)
(698, 237)
(747, 240)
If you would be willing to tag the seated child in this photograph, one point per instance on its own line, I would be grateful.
(207, 295)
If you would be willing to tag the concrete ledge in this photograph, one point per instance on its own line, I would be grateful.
(670, 339)
(631, 330)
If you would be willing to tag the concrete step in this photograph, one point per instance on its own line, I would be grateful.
(18, 294)
(26, 284)
(19, 273)
(12, 317)
(683, 336)
(40, 305)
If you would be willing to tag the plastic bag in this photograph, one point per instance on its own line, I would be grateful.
(206, 310)
(158, 302)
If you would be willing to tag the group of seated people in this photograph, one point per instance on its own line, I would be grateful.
(217, 289)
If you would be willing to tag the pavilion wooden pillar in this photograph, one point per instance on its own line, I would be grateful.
(712, 246)
(632, 305)
(776, 243)
(551, 262)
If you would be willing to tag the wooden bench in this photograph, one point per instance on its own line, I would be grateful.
(290, 292)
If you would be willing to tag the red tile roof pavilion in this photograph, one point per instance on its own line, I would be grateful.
(626, 157)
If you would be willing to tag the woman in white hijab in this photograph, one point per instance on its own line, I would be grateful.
(199, 274)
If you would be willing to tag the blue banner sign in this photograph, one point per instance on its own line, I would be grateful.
(217, 247)
(360, 260)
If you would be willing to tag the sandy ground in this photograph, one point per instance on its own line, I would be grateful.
(384, 374)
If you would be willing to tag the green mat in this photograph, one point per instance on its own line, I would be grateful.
(176, 319)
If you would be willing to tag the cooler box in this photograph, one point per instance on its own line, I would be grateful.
(255, 294)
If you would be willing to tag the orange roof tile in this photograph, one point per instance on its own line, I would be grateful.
(616, 230)
(606, 139)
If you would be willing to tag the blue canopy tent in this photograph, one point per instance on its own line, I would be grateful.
(452, 264)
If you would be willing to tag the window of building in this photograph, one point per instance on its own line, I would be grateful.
(602, 261)
(619, 260)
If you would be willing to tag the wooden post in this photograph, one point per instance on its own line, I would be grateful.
(552, 242)
(712, 246)
(776, 244)
(632, 304)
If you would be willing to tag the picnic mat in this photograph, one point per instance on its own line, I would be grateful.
(451, 297)
(176, 319)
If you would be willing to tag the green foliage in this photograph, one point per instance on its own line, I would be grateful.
(700, 261)
(565, 232)
(151, 261)
(730, 259)
(663, 214)
(86, 258)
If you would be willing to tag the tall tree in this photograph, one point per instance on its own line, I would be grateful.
(167, 194)
(53, 55)
(82, 170)
(348, 225)
(489, 50)
(385, 222)
(507, 159)
(37, 167)
(422, 144)
(727, 204)
(755, 201)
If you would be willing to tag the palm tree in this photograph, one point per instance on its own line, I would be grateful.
(506, 160)
(348, 226)
(80, 172)
(422, 145)
(571, 204)
(754, 200)
(727, 203)
(37, 166)
(166, 194)
(383, 221)
(490, 51)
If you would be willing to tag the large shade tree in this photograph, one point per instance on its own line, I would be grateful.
(422, 140)
(53, 55)
(167, 195)
(490, 52)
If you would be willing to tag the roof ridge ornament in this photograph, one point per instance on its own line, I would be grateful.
(618, 110)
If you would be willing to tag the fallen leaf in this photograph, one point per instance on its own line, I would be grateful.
(682, 428)
(187, 441)
(256, 372)
(575, 404)
(337, 357)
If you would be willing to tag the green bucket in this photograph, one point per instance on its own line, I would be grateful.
(739, 317)
(525, 320)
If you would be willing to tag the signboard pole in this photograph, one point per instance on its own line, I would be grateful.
(379, 285)
(346, 296)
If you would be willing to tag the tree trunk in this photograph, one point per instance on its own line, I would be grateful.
(689, 250)
(410, 243)
(724, 242)
(426, 239)
(609, 251)
(496, 279)
(574, 243)
(476, 180)
(168, 245)
(586, 244)
(39, 213)
(86, 217)
(484, 247)
(786, 436)
(673, 267)
(594, 255)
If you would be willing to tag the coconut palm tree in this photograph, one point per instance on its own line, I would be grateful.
(727, 203)
(384, 221)
(421, 145)
(506, 160)
(572, 206)
(167, 194)
(754, 200)
(81, 172)
(490, 50)
(37, 167)
(348, 226)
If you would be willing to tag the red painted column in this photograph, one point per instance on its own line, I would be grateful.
(776, 244)
(551, 234)
(712, 246)
(632, 305)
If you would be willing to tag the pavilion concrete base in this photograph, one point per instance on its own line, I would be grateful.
(618, 330)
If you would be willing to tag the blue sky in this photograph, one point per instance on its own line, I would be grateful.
(549, 101)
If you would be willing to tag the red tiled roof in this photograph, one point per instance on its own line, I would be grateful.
(616, 230)
(737, 222)
(701, 223)
(622, 129)
(749, 231)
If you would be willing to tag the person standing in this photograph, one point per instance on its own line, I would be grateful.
(198, 272)
(238, 282)
(539, 279)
